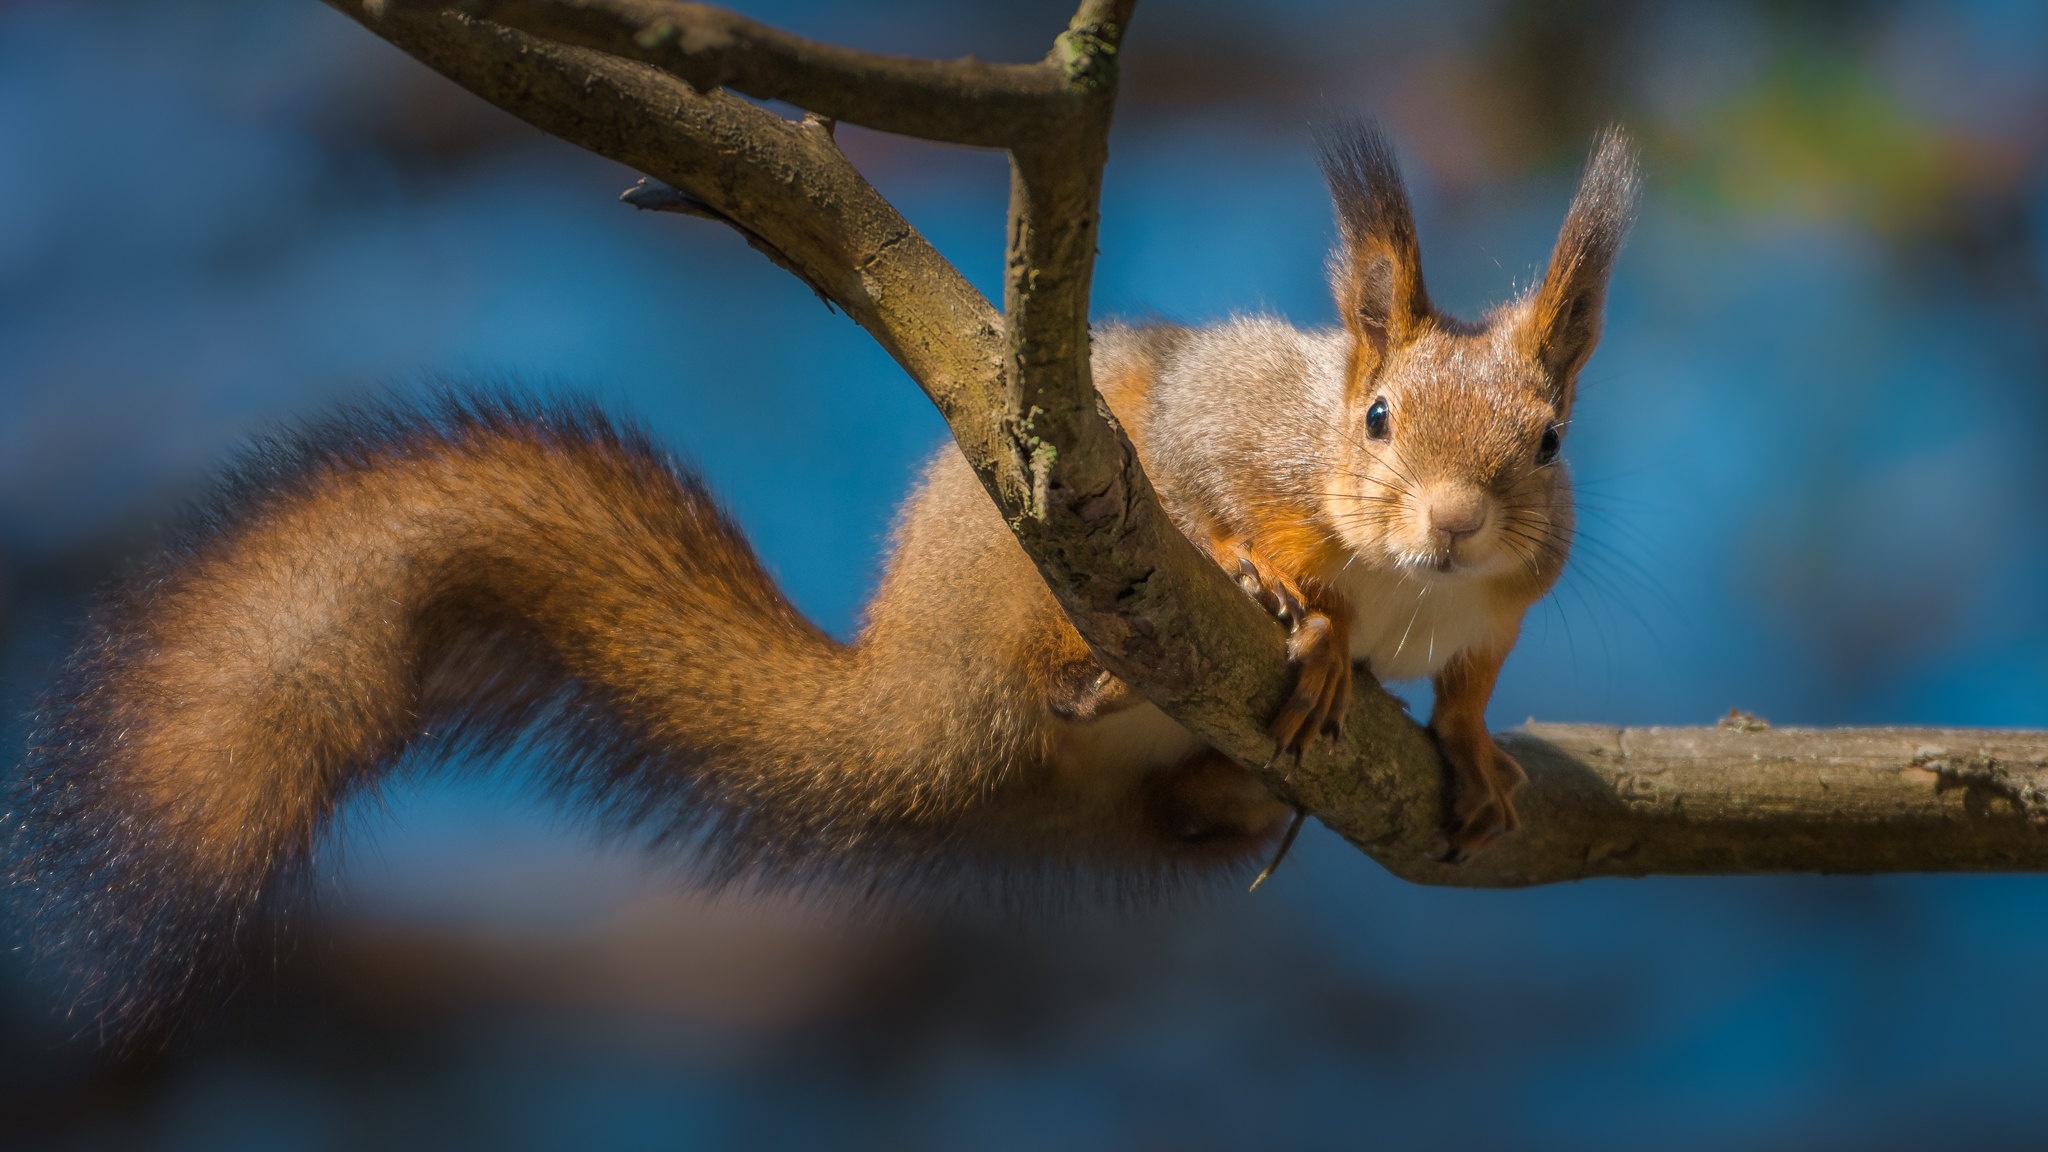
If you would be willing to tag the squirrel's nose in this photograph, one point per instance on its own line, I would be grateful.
(1456, 514)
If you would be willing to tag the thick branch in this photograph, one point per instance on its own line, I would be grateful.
(1091, 520)
(958, 101)
(1643, 801)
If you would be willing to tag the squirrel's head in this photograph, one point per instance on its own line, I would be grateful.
(1449, 461)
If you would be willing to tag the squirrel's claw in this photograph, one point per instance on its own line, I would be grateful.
(1271, 591)
(1291, 612)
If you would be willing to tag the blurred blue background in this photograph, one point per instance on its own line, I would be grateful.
(1811, 455)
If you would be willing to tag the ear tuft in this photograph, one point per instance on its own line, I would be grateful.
(1563, 320)
(1377, 268)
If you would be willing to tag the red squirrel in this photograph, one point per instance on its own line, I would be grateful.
(483, 574)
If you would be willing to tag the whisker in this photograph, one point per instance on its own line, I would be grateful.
(1411, 620)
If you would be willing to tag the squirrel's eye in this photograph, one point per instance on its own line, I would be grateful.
(1376, 419)
(1547, 450)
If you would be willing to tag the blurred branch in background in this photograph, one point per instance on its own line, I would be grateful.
(1602, 802)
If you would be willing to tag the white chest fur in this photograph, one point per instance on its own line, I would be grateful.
(1406, 628)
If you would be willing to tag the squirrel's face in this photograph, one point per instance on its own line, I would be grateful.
(1450, 463)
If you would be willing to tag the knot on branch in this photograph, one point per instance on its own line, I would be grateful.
(1035, 458)
(1739, 721)
(1086, 56)
(2024, 783)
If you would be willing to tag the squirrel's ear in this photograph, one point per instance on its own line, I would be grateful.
(1562, 320)
(1377, 267)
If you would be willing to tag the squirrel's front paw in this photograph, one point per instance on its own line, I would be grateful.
(1484, 809)
(1318, 645)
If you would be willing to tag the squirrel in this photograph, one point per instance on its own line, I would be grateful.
(481, 574)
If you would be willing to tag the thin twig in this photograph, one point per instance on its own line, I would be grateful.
(651, 195)
(963, 101)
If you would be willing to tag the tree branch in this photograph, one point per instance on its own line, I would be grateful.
(1023, 409)
(956, 101)
(1743, 798)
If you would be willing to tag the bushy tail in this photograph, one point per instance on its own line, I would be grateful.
(474, 575)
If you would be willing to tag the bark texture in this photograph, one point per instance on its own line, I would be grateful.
(1741, 798)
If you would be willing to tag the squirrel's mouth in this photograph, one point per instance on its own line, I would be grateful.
(1441, 564)
(1434, 565)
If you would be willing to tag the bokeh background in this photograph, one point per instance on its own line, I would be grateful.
(1811, 449)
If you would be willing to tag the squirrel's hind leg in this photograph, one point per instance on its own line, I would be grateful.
(1212, 807)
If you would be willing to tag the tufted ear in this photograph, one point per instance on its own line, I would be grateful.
(1376, 270)
(1562, 320)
